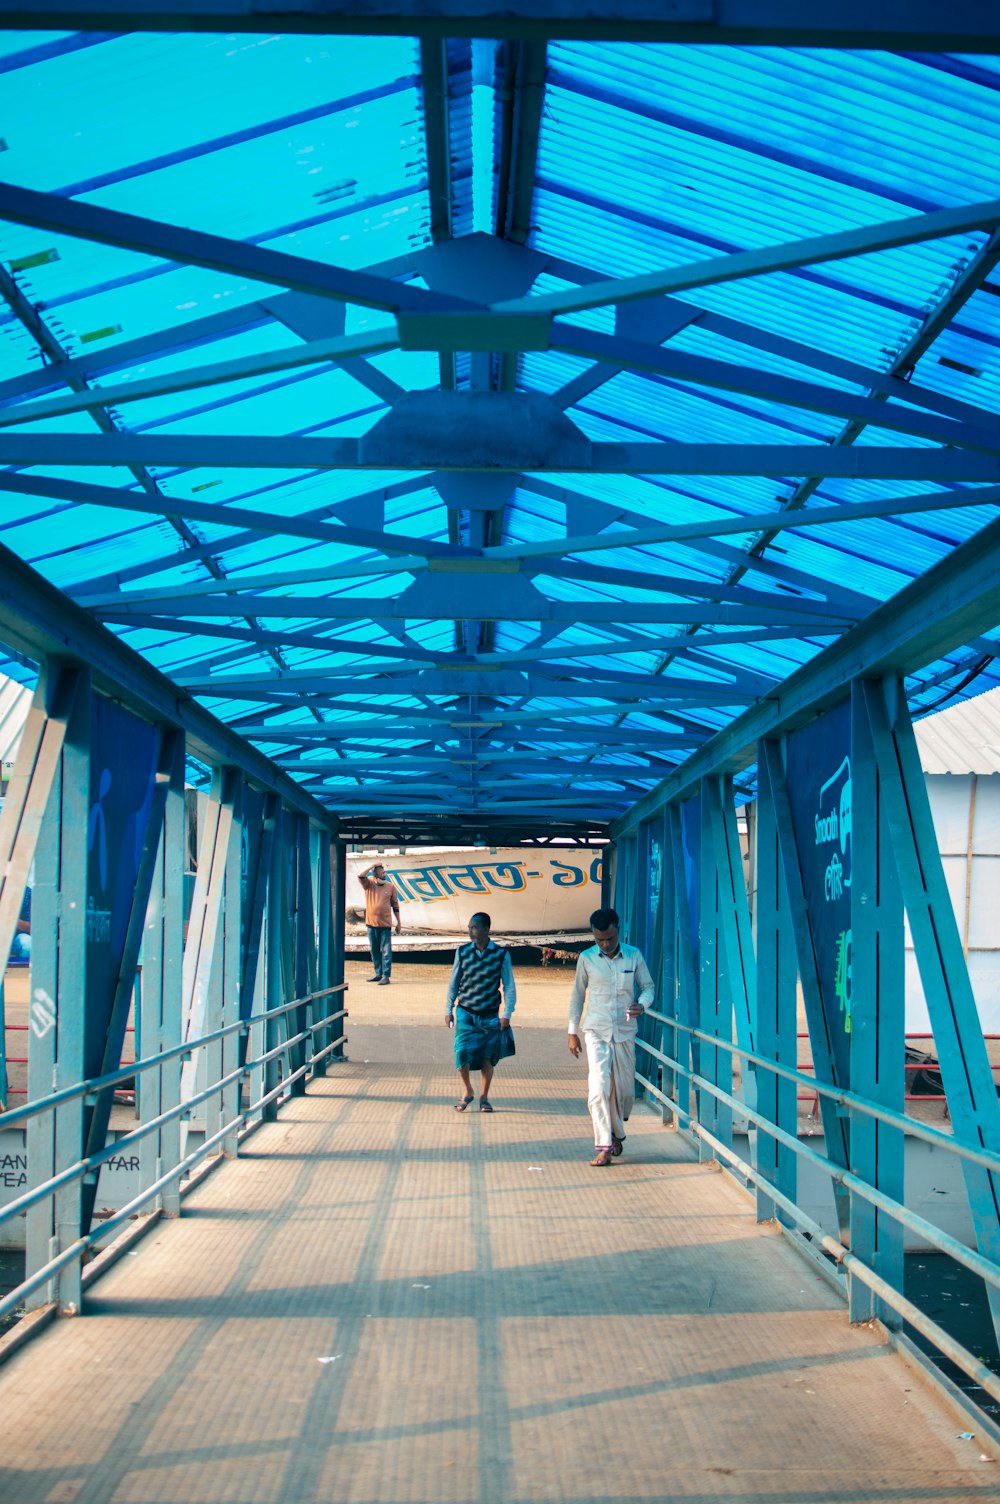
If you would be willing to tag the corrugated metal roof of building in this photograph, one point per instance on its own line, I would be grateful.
(963, 738)
(648, 157)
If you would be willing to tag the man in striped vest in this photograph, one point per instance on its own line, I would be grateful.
(482, 1034)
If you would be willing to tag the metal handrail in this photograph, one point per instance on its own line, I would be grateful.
(844, 1098)
(95, 1084)
(895, 1209)
(946, 1344)
(82, 1167)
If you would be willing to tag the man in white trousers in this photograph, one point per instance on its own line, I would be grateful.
(615, 981)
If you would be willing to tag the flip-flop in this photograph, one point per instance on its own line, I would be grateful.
(461, 1106)
(485, 1105)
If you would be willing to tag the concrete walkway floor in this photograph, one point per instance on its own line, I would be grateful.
(384, 1300)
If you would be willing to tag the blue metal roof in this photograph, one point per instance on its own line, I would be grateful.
(521, 174)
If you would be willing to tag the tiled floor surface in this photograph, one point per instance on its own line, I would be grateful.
(384, 1300)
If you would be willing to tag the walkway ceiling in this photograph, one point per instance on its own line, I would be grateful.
(480, 427)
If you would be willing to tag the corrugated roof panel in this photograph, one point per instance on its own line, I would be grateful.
(802, 106)
(649, 157)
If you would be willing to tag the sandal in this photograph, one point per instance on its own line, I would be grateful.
(602, 1157)
(617, 1145)
(485, 1105)
(461, 1106)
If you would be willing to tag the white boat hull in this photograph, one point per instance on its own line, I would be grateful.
(533, 891)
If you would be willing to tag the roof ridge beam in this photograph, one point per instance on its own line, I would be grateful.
(881, 24)
(311, 453)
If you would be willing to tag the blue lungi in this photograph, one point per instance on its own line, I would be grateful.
(477, 1038)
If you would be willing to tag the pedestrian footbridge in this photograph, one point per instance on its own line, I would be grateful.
(382, 1300)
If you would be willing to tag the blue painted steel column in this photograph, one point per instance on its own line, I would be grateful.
(339, 903)
(714, 984)
(649, 1029)
(777, 975)
(686, 916)
(609, 872)
(324, 917)
(824, 1066)
(638, 932)
(58, 1013)
(874, 973)
(231, 962)
(665, 976)
(159, 1090)
(625, 886)
(957, 1031)
(275, 994)
(305, 941)
(739, 969)
(258, 819)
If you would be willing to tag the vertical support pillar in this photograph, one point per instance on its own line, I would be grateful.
(338, 897)
(159, 1090)
(685, 896)
(231, 963)
(204, 951)
(776, 1009)
(609, 873)
(57, 1015)
(958, 1033)
(299, 940)
(817, 1019)
(639, 932)
(715, 1008)
(875, 953)
(277, 1028)
(740, 964)
(667, 1037)
(324, 915)
(260, 810)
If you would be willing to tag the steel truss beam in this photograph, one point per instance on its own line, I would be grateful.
(749, 523)
(921, 26)
(38, 620)
(197, 451)
(728, 376)
(809, 616)
(152, 237)
(318, 526)
(593, 737)
(955, 601)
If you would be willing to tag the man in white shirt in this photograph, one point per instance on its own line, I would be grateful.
(618, 988)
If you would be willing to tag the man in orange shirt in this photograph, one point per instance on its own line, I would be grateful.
(381, 902)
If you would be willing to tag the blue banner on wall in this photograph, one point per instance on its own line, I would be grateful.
(122, 778)
(818, 777)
